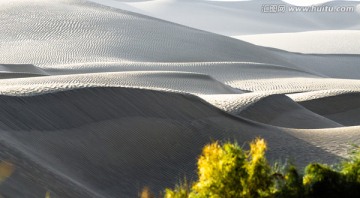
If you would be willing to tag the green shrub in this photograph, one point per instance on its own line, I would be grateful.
(321, 181)
(226, 171)
(291, 185)
(351, 167)
(181, 191)
(221, 170)
(259, 182)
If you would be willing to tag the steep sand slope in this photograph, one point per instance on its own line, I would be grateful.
(20, 71)
(344, 108)
(279, 110)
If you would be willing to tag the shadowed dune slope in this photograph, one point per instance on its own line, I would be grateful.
(81, 147)
(344, 108)
(20, 71)
(18, 116)
(344, 66)
(279, 110)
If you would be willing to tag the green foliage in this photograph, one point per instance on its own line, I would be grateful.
(259, 181)
(321, 181)
(351, 168)
(226, 171)
(180, 191)
(221, 170)
(290, 184)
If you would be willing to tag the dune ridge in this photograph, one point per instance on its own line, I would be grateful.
(228, 18)
(283, 112)
(344, 108)
(20, 71)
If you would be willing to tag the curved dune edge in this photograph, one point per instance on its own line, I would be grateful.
(87, 42)
(229, 98)
(98, 47)
(20, 71)
(279, 110)
(313, 95)
(200, 67)
(183, 82)
(128, 79)
(239, 14)
(343, 108)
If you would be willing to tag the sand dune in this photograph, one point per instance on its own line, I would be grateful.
(168, 81)
(20, 71)
(233, 18)
(102, 38)
(279, 110)
(132, 138)
(115, 100)
(331, 65)
(305, 32)
(342, 108)
(313, 42)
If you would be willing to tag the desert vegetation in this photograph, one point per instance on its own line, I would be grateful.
(225, 170)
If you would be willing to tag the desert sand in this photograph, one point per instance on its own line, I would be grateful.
(102, 98)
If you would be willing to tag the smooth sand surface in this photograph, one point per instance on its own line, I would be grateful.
(233, 18)
(305, 32)
(334, 108)
(20, 71)
(283, 112)
(313, 42)
(96, 101)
